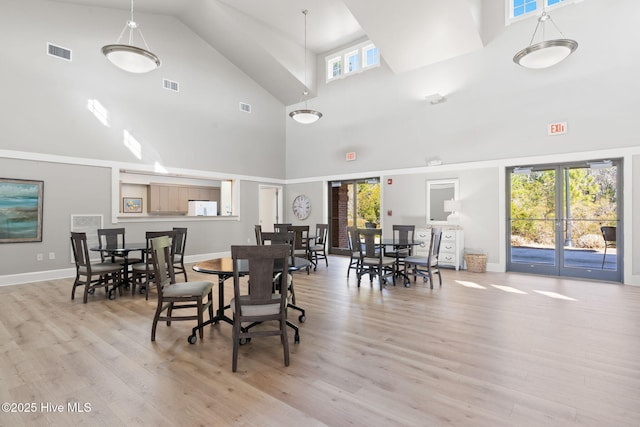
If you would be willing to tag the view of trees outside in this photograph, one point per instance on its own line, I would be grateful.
(592, 204)
(368, 203)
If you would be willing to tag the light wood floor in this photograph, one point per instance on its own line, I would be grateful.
(467, 354)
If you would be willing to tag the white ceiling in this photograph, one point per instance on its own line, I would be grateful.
(409, 33)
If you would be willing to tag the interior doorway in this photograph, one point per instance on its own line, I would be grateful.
(352, 203)
(269, 206)
(556, 216)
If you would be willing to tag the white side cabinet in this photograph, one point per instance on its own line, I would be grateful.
(422, 235)
(451, 248)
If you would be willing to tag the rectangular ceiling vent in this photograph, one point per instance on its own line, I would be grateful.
(170, 85)
(58, 51)
(245, 108)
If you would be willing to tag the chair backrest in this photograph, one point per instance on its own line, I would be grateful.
(258, 231)
(278, 228)
(352, 239)
(179, 243)
(149, 235)
(264, 262)
(80, 251)
(284, 238)
(370, 239)
(162, 263)
(322, 231)
(403, 234)
(434, 246)
(110, 238)
(608, 234)
(301, 242)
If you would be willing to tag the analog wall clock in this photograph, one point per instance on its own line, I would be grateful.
(301, 207)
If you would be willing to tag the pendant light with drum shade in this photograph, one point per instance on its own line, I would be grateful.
(129, 57)
(305, 115)
(547, 52)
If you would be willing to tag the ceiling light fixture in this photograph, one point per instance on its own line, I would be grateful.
(435, 98)
(305, 115)
(545, 53)
(129, 57)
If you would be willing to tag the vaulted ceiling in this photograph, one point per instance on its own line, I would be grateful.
(265, 38)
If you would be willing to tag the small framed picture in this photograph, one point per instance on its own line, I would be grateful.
(132, 205)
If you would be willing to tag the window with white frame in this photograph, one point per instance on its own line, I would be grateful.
(352, 60)
(519, 9)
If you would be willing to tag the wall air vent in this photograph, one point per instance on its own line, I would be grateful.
(245, 108)
(60, 52)
(169, 85)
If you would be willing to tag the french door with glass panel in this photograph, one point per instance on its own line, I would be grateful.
(352, 203)
(556, 216)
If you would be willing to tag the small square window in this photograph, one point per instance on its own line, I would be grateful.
(334, 68)
(351, 59)
(370, 56)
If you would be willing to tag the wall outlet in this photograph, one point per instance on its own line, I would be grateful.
(52, 255)
(39, 257)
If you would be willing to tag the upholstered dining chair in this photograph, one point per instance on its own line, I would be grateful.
(259, 303)
(113, 237)
(317, 250)
(301, 242)
(403, 239)
(174, 296)
(425, 267)
(142, 272)
(372, 260)
(93, 275)
(609, 236)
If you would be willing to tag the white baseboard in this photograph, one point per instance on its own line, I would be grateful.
(70, 273)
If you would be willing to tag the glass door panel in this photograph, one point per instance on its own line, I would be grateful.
(556, 218)
(533, 221)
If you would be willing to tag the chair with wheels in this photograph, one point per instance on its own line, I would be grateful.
(609, 236)
(403, 239)
(142, 272)
(425, 267)
(301, 243)
(372, 260)
(174, 296)
(93, 275)
(317, 250)
(287, 238)
(259, 303)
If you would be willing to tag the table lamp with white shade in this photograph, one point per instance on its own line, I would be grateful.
(452, 206)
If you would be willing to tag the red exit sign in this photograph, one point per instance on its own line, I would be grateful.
(559, 128)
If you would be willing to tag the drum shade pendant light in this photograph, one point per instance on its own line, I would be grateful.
(129, 57)
(545, 53)
(305, 115)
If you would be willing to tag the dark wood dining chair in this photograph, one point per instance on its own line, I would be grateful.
(93, 275)
(403, 240)
(301, 243)
(174, 297)
(142, 272)
(179, 247)
(372, 259)
(317, 250)
(259, 303)
(425, 267)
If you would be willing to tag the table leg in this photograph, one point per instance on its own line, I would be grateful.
(221, 307)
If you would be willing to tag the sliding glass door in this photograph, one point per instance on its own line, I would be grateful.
(557, 218)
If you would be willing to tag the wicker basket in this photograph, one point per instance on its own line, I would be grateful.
(476, 263)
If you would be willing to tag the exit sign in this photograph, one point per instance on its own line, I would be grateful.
(558, 128)
(351, 156)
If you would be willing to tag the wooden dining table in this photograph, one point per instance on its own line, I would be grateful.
(122, 251)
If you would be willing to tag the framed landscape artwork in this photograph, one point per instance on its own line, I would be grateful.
(132, 204)
(20, 210)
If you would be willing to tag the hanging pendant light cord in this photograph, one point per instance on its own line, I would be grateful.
(306, 88)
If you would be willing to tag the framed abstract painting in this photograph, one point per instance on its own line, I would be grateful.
(20, 210)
